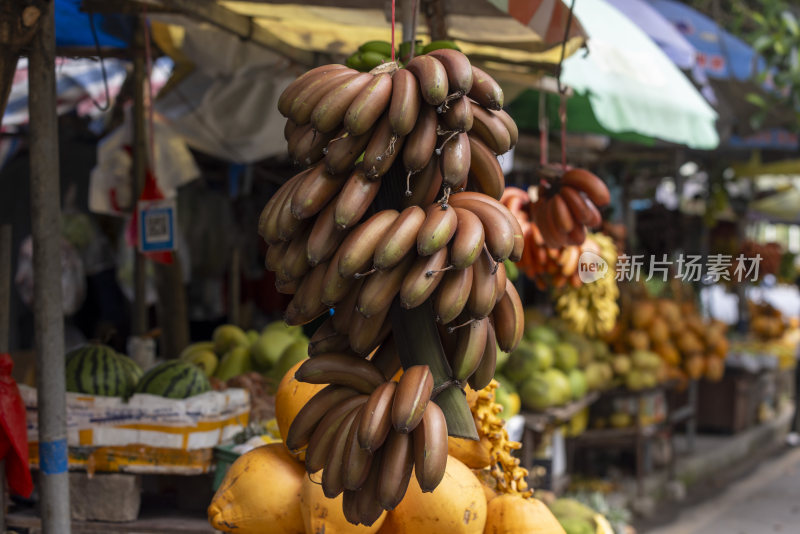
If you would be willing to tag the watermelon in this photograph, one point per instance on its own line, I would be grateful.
(96, 369)
(134, 371)
(174, 379)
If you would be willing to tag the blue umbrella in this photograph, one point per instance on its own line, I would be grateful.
(666, 36)
(719, 53)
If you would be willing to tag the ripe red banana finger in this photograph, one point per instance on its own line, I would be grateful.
(343, 312)
(484, 374)
(343, 151)
(359, 247)
(341, 369)
(470, 345)
(268, 220)
(329, 112)
(295, 263)
(312, 412)
(576, 204)
(500, 279)
(589, 183)
(468, 240)
(369, 506)
(511, 126)
(452, 294)
(411, 398)
(305, 102)
(455, 160)
(437, 230)
(485, 91)
(396, 467)
(381, 287)
(425, 186)
(335, 287)
(334, 468)
(497, 227)
(355, 199)
(293, 89)
(310, 147)
(430, 448)
(458, 68)
(306, 305)
(458, 116)
(405, 103)
(319, 444)
(400, 238)
(490, 129)
(594, 219)
(325, 236)
(369, 105)
(274, 255)
(314, 192)
(422, 279)
(357, 461)
(376, 417)
(483, 295)
(509, 319)
(432, 78)
(485, 169)
(368, 333)
(560, 215)
(421, 143)
(382, 149)
(327, 339)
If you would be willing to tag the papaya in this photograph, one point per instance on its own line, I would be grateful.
(291, 396)
(456, 506)
(512, 514)
(322, 515)
(241, 503)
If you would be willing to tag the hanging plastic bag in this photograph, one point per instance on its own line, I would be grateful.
(73, 276)
(13, 432)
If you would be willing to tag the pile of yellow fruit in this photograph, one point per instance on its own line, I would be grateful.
(267, 489)
(688, 345)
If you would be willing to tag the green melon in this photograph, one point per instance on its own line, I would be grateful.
(96, 369)
(174, 379)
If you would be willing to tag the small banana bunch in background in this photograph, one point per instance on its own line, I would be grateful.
(592, 309)
(554, 222)
(375, 53)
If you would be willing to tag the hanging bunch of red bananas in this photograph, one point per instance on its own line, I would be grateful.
(554, 222)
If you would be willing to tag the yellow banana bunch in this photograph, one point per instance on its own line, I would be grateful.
(591, 309)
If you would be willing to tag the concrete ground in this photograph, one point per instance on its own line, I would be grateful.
(766, 501)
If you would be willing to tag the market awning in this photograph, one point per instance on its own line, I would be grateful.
(626, 87)
(755, 168)
(480, 29)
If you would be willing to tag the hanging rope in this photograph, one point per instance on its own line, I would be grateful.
(107, 105)
(392, 30)
(149, 73)
(561, 89)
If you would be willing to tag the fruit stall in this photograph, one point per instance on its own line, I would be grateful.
(448, 338)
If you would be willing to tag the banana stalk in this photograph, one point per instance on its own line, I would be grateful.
(418, 338)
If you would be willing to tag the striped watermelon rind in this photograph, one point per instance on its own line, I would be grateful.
(174, 379)
(135, 372)
(96, 369)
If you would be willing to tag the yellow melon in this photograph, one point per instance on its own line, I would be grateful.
(244, 504)
(322, 515)
(456, 506)
(291, 397)
(511, 514)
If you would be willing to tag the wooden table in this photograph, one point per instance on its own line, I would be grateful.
(538, 423)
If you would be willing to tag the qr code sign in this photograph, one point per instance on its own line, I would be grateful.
(156, 227)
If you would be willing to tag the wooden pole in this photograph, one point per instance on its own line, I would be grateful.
(139, 316)
(5, 305)
(47, 305)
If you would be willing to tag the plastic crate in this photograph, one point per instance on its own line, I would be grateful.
(224, 456)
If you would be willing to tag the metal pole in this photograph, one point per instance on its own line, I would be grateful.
(47, 307)
(410, 8)
(139, 316)
(5, 301)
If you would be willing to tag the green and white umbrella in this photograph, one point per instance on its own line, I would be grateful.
(626, 88)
